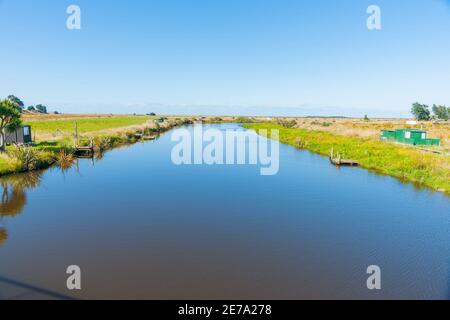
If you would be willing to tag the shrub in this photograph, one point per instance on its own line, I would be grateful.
(244, 120)
(64, 158)
(287, 123)
(28, 158)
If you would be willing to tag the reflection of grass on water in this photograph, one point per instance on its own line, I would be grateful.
(14, 197)
(14, 192)
(3, 236)
(29, 180)
(12, 202)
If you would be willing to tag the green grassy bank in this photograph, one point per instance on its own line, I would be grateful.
(406, 163)
(43, 154)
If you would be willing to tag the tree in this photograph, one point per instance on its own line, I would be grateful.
(9, 119)
(41, 108)
(421, 112)
(441, 112)
(16, 100)
(31, 108)
(366, 118)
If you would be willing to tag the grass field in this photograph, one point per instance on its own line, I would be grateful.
(406, 163)
(67, 125)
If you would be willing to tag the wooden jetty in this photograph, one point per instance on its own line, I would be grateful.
(337, 160)
(84, 152)
(144, 137)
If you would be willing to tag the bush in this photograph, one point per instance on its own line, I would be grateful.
(244, 120)
(64, 158)
(287, 123)
(28, 158)
(421, 112)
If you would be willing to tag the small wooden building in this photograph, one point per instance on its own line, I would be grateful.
(409, 136)
(21, 135)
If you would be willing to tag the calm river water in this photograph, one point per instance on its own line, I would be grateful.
(140, 227)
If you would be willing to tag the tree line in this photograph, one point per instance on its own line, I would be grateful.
(422, 112)
(40, 108)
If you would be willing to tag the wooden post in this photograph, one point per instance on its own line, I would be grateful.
(76, 133)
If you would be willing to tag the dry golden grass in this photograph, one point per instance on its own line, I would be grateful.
(371, 129)
(401, 161)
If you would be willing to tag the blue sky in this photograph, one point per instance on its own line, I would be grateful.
(293, 57)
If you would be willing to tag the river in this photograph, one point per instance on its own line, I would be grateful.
(140, 227)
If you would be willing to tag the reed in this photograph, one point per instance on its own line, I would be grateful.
(65, 159)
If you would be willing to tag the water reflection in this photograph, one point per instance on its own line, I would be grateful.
(13, 201)
(14, 196)
(222, 232)
(65, 160)
(3, 236)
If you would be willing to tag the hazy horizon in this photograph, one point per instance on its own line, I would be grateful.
(255, 111)
(237, 57)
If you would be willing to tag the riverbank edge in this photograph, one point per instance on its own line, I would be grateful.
(406, 164)
(48, 151)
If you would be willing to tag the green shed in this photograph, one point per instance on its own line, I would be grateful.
(409, 136)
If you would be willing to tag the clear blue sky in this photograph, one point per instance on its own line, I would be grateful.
(227, 56)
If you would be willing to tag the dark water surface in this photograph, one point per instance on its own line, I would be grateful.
(141, 227)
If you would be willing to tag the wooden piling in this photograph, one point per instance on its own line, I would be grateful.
(338, 161)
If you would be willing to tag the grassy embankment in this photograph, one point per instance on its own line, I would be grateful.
(371, 129)
(406, 163)
(54, 138)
